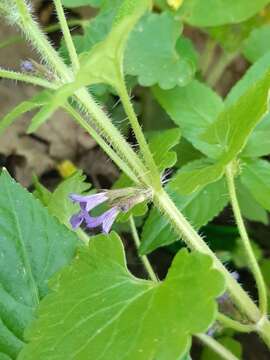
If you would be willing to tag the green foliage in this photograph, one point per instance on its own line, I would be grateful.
(76, 3)
(199, 208)
(156, 59)
(255, 176)
(193, 108)
(160, 144)
(212, 13)
(257, 44)
(236, 122)
(196, 175)
(96, 301)
(33, 246)
(250, 208)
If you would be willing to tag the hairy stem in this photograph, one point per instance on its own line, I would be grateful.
(13, 75)
(107, 149)
(147, 155)
(67, 36)
(253, 264)
(216, 347)
(219, 68)
(146, 262)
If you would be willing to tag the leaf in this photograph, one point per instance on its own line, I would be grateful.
(33, 246)
(199, 208)
(250, 208)
(95, 301)
(77, 3)
(196, 175)
(160, 144)
(37, 101)
(229, 343)
(231, 130)
(155, 60)
(255, 176)
(259, 142)
(213, 13)
(193, 108)
(257, 44)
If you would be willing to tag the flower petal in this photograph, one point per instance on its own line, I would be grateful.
(109, 218)
(76, 220)
(89, 202)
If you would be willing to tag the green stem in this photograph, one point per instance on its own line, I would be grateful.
(67, 36)
(13, 75)
(110, 152)
(148, 157)
(235, 325)
(215, 73)
(216, 347)
(144, 258)
(253, 264)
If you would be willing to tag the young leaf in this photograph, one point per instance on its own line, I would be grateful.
(213, 13)
(33, 246)
(160, 143)
(257, 44)
(155, 59)
(255, 176)
(96, 301)
(193, 108)
(231, 130)
(199, 208)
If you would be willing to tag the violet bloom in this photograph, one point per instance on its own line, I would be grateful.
(88, 203)
(27, 66)
(105, 220)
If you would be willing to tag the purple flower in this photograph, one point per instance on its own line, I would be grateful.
(89, 202)
(27, 66)
(105, 220)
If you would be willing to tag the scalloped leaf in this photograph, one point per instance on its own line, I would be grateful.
(33, 246)
(156, 59)
(96, 301)
(213, 12)
(257, 44)
(199, 208)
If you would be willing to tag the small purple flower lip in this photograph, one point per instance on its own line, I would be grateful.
(89, 202)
